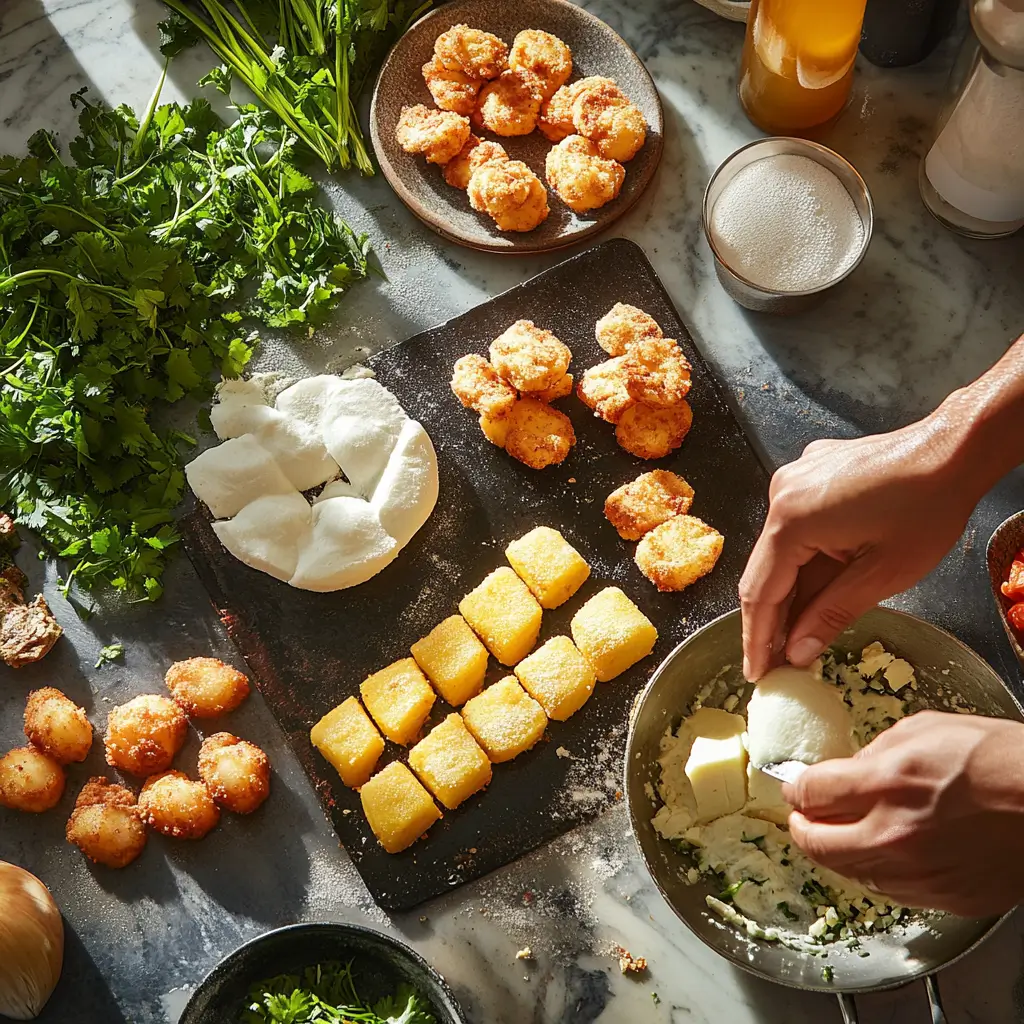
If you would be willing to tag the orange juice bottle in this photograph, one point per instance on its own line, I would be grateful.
(798, 62)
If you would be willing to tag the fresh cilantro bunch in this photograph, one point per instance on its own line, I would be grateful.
(125, 275)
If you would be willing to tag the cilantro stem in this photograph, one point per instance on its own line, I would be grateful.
(6, 283)
(147, 119)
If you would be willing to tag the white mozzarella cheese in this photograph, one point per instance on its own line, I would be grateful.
(240, 470)
(717, 764)
(269, 533)
(407, 491)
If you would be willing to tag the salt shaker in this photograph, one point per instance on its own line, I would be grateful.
(972, 178)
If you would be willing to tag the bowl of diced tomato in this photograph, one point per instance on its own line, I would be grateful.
(1006, 570)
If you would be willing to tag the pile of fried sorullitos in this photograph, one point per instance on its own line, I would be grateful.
(478, 82)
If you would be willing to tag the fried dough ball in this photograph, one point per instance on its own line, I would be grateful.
(57, 725)
(437, 134)
(510, 105)
(478, 387)
(555, 120)
(622, 326)
(538, 435)
(30, 780)
(495, 429)
(206, 687)
(648, 501)
(529, 357)
(650, 433)
(560, 389)
(614, 124)
(475, 53)
(603, 389)
(678, 552)
(236, 772)
(513, 196)
(175, 805)
(657, 372)
(106, 824)
(583, 179)
(450, 89)
(475, 153)
(544, 55)
(144, 735)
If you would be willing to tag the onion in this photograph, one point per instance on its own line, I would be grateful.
(31, 943)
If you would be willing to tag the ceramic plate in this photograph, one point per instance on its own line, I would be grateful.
(1003, 546)
(596, 50)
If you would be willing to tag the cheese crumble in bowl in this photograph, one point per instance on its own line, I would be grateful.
(712, 829)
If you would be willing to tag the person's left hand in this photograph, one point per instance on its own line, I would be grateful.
(931, 813)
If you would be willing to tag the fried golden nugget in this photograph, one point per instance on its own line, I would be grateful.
(475, 53)
(144, 735)
(538, 435)
(236, 772)
(544, 55)
(614, 124)
(651, 433)
(30, 780)
(513, 196)
(678, 552)
(560, 389)
(437, 134)
(495, 428)
(106, 824)
(57, 725)
(582, 178)
(529, 357)
(206, 687)
(175, 805)
(657, 372)
(648, 501)
(555, 121)
(510, 105)
(603, 389)
(622, 326)
(478, 387)
(451, 90)
(475, 153)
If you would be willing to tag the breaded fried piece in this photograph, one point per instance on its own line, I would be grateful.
(478, 387)
(236, 772)
(106, 824)
(475, 53)
(175, 805)
(144, 735)
(510, 105)
(560, 389)
(556, 113)
(648, 501)
(57, 725)
(475, 153)
(622, 326)
(603, 389)
(206, 687)
(451, 89)
(678, 552)
(529, 357)
(614, 124)
(538, 435)
(657, 372)
(31, 780)
(513, 196)
(583, 179)
(437, 134)
(544, 55)
(651, 433)
(495, 429)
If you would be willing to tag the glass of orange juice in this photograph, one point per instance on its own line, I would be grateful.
(798, 62)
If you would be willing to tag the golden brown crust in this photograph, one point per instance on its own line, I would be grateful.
(477, 386)
(560, 389)
(538, 435)
(580, 176)
(544, 55)
(648, 501)
(510, 105)
(106, 824)
(603, 389)
(495, 429)
(475, 153)
(236, 772)
(510, 193)
(30, 780)
(651, 433)
(451, 89)
(529, 357)
(657, 372)
(206, 687)
(175, 805)
(57, 725)
(476, 53)
(604, 115)
(622, 326)
(437, 134)
(144, 735)
(555, 121)
(678, 552)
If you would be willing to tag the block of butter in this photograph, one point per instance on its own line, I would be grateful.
(717, 765)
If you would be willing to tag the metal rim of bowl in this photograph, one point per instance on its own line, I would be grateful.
(816, 149)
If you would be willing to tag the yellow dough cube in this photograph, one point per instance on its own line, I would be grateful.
(504, 614)
(717, 765)
(349, 740)
(505, 720)
(399, 698)
(397, 807)
(612, 633)
(453, 659)
(450, 762)
(558, 677)
(549, 565)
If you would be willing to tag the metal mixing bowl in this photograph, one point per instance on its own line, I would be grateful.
(892, 960)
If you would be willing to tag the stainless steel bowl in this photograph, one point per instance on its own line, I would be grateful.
(746, 292)
(700, 658)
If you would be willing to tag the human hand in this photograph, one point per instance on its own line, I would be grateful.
(931, 813)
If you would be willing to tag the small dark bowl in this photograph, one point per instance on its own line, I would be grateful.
(384, 961)
(1003, 545)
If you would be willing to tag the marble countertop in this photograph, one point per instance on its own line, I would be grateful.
(925, 313)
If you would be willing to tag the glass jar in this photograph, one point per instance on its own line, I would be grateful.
(972, 177)
(797, 65)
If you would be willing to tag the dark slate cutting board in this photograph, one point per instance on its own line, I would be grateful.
(307, 652)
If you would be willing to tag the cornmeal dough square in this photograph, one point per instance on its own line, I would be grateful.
(504, 614)
(399, 698)
(349, 741)
(450, 762)
(505, 720)
(549, 565)
(453, 659)
(397, 807)
(612, 633)
(558, 677)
